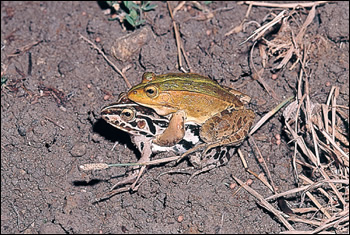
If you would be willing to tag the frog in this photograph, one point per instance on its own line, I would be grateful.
(194, 98)
(144, 124)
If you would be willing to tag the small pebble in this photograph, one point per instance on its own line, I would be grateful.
(278, 136)
(233, 185)
(21, 131)
(180, 218)
(278, 139)
(249, 181)
(106, 97)
(78, 150)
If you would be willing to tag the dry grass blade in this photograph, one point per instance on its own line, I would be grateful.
(337, 219)
(273, 188)
(346, 156)
(319, 131)
(319, 206)
(269, 114)
(261, 31)
(264, 203)
(260, 177)
(305, 188)
(283, 46)
(317, 153)
(282, 5)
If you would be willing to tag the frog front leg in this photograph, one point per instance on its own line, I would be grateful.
(144, 146)
(174, 132)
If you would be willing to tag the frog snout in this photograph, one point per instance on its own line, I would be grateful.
(132, 92)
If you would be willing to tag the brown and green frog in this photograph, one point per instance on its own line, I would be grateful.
(144, 124)
(193, 98)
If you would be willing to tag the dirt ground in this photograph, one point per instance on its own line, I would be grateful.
(56, 85)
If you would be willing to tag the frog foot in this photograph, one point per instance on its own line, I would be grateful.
(131, 179)
(215, 158)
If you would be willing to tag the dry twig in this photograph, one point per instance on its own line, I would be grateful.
(108, 60)
(179, 44)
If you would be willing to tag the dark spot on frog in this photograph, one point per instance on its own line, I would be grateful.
(128, 129)
(239, 122)
(237, 136)
(245, 133)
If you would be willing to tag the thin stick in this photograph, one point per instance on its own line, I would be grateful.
(307, 187)
(282, 5)
(245, 165)
(47, 118)
(334, 104)
(264, 203)
(269, 114)
(179, 44)
(259, 73)
(106, 58)
(330, 139)
(25, 48)
(265, 166)
(112, 193)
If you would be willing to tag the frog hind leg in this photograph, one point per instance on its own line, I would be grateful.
(229, 127)
(174, 132)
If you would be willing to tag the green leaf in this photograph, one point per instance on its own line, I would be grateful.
(127, 4)
(148, 7)
(130, 5)
(133, 14)
(3, 80)
(140, 22)
(130, 20)
(112, 19)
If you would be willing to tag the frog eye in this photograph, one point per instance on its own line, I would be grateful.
(128, 115)
(151, 91)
